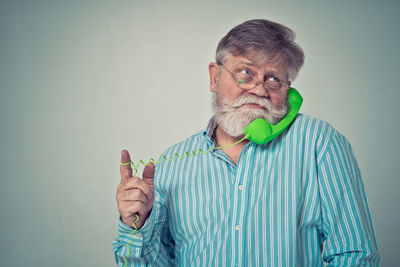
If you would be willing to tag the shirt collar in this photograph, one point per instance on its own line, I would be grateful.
(209, 131)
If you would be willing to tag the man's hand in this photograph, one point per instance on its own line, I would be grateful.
(134, 195)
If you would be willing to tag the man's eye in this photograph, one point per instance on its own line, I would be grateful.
(272, 79)
(245, 72)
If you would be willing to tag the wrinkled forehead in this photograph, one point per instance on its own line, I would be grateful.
(260, 59)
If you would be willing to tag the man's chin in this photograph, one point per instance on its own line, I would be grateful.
(247, 116)
(234, 125)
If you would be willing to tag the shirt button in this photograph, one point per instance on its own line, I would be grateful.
(237, 227)
(241, 187)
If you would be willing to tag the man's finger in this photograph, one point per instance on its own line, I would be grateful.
(126, 170)
(148, 173)
(137, 183)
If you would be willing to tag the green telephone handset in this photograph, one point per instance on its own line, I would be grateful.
(260, 131)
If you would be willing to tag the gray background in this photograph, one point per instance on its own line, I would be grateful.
(81, 80)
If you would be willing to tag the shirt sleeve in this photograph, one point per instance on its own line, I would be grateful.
(347, 223)
(151, 245)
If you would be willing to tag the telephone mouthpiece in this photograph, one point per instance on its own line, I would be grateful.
(258, 131)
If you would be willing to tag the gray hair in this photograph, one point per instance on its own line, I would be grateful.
(262, 39)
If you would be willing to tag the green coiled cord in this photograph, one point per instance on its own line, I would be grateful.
(174, 156)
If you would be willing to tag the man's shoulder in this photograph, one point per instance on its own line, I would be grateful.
(311, 131)
(309, 125)
(186, 145)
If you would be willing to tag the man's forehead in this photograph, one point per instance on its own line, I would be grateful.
(276, 62)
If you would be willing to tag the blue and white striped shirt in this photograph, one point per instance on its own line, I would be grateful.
(276, 207)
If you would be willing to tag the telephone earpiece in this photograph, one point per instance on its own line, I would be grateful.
(261, 132)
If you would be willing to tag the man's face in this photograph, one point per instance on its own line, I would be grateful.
(235, 107)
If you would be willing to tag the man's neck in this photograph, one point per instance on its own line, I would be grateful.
(224, 139)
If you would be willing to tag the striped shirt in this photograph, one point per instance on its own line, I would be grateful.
(276, 207)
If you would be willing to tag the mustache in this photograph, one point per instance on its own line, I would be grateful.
(249, 99)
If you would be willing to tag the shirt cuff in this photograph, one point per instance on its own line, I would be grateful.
(140, 236)
(133, 239)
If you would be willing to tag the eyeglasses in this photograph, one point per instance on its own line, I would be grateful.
(246, 80)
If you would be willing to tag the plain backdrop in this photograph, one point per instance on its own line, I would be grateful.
(82, 80)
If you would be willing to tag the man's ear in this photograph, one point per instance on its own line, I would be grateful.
(213, 69)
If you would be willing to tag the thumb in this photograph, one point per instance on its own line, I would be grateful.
(148, 173)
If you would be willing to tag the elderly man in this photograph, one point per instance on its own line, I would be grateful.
(249, 204)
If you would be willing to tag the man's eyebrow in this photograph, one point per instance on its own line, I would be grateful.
(247, 63)
(274, 73)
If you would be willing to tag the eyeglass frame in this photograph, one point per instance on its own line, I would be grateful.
(256, 84)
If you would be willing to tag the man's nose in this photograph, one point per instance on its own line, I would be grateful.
(259, 90)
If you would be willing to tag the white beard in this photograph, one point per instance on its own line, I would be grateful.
(233, 118)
